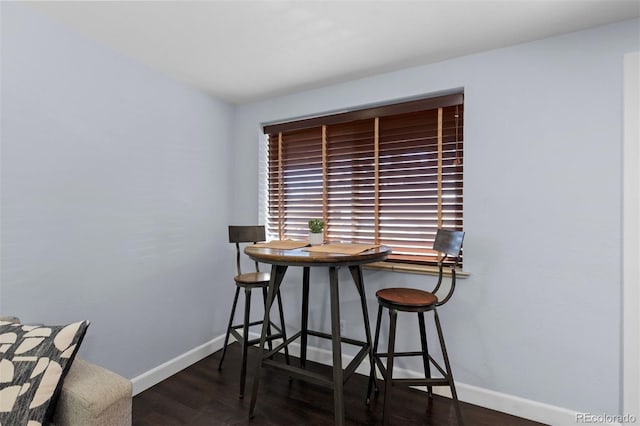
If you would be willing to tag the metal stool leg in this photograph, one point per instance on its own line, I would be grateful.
(304, 326)
(356, 273)
(269, 332)
(226, 337)
(372, 375)
(388, 380)
(282, 327)
(425, 352)
(452, 386)
(245, 339)
(277, 274)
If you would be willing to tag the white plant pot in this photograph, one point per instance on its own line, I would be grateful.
(316, 239)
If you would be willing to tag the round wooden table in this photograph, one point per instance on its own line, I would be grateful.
(280, 260)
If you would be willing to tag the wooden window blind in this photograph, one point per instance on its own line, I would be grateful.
(387, 175)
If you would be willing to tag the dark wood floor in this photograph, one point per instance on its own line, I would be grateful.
(201, 395)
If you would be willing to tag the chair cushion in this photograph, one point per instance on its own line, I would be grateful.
(410, 297)
(253, 279)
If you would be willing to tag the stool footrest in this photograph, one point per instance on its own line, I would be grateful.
(251, 324)
(422, 382)
(406, 354)
(251, 342)
(399, 354)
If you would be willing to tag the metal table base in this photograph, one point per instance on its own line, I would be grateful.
(340, 375)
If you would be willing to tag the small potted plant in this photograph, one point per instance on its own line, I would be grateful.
(316, 236)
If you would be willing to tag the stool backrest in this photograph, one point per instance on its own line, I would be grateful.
(245, 234)
(449, 244)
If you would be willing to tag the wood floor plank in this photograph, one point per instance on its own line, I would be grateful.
(200, 395)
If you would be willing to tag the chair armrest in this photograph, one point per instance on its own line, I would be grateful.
(93, 396)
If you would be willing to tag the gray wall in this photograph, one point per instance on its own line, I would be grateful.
(540, 315)
(113, 195)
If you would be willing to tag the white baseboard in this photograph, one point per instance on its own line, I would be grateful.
(514, 405)
(505, 403)
(179, 363)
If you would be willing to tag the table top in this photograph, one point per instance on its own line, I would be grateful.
(301, 257)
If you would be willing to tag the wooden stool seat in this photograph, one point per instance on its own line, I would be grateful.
(253, 279)
(409, 297)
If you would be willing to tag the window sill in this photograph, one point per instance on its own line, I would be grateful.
(412, 269)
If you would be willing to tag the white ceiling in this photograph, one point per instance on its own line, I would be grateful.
(242, 51)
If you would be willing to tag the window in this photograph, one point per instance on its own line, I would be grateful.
(387, 175)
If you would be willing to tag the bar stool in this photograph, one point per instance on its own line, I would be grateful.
(249, 281)
(448, 244)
